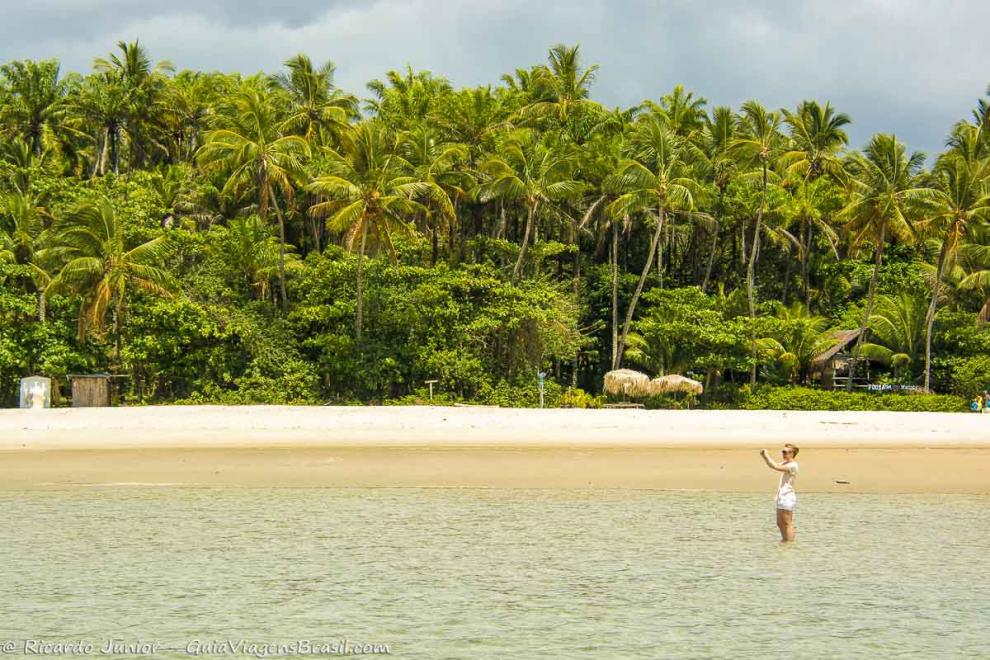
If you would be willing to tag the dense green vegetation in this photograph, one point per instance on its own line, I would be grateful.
(272, 238)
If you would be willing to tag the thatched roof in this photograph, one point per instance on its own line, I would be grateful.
(841, 339)
(628, 382)
(675, 383)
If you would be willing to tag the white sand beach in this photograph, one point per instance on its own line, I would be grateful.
(428, 446)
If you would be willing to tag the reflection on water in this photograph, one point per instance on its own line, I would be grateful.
(498, 574)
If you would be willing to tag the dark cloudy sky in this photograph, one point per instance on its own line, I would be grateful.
(907, 66)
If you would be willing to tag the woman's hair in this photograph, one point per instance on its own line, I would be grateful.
(793, 449)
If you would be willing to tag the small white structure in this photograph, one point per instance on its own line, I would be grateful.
(36, 392)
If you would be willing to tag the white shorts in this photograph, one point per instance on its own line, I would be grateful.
(786, 501)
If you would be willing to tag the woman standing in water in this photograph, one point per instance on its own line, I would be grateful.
(786, 498)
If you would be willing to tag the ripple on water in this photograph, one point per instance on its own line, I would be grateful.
(490, 573)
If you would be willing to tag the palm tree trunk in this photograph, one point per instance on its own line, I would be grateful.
(711, 256)
(615, 295)
(577, 292)
(102, 156)
(118, 309)
(869, 307)
(517, 271)
(751, 278)
(281, 253)
(930, 315)
(41, 306)
(806, 264)
(359, 316)
(435, 241)
(639, 288)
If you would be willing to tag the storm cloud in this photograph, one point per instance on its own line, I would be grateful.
(903, 66)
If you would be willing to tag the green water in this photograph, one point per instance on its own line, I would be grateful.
(500, 574)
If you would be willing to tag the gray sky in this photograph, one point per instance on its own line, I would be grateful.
(906, 66)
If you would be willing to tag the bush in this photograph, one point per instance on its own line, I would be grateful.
(804, 398)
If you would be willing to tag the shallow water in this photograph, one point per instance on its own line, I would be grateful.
(499, 574)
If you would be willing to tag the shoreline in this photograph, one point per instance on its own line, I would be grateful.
(478, 447)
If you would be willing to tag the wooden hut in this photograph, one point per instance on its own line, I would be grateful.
(830, 368)
(90, 390)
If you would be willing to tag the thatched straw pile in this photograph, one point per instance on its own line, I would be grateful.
(627, 382)
(675, 383)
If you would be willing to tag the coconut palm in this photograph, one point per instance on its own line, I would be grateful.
(437, 162)
(26, 240)
(142, 83)
(682, 111)
(319, 109)
(102, 268)
(101, 104)
(759, 142)
(971, 271)
(659, 176)
(527, 170)
(897, 327)
(962, 199)
(817, 137)
(885, 199)
(187, 106)
(371, 189)
(403, 99)
(797, 337)
(254, 154)
(811, 205)
(35, 105)
(717, 137)
(561, 87)
(252, 252)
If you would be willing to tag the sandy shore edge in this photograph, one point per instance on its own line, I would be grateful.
(476, 447)
(233, 426)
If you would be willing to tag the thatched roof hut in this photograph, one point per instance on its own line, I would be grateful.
(826, 365)
(627, 382)
(675, 383)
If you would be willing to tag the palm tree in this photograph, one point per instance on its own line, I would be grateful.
(102, 104)
(717, 139)
(797, 337)
(371, 189)
(971, 272)
(898, 327)
(102, 268)
(810, 204)
(36, 101)
(683, 112)
(405, 98)
(531, 172)
(437, 162)
(255, 154)
(561, 87)
(760, 141)
(659, 175)
(962, 198)
(885, 197)
(252, 252)
(142, 83)
(817, 137)
(318, 107)
(25, 240)
(187, 106)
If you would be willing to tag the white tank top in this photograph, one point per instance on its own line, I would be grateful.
(788, 478)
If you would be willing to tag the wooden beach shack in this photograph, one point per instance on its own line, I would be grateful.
(91, 390)
(830, 369)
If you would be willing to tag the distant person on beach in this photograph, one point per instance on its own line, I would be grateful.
(786, 499)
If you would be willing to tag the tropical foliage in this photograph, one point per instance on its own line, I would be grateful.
(218, 237)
